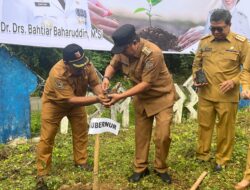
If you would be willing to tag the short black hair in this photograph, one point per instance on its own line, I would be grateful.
(221, 15)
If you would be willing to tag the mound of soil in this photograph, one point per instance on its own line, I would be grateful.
(165, 40)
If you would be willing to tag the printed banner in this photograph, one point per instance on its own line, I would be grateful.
(102, 125)
(175, 26)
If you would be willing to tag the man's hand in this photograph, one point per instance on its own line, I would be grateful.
(99, 17)
(245, 94)
(190, 37)
(199, 84)
(226, 86)
(113, 99)
(103, 99)
(105, 84)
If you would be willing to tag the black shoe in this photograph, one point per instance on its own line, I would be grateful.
(40, 183)
(135, 177)
(85, 167)
(218, 168)
(165, 177)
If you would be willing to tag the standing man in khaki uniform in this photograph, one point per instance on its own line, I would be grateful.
(154, 94)
(65, 95)
(245, 81)
(219, 56)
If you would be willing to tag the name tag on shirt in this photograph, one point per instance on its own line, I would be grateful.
(231, 50)
(42, 4)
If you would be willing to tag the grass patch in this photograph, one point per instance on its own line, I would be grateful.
(18, 171)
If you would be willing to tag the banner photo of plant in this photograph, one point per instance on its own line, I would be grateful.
(175, 26)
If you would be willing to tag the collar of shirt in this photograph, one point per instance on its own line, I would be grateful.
(139, 49)
(228, 38)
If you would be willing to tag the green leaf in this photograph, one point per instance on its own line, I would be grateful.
(154, 2)
(139, 10)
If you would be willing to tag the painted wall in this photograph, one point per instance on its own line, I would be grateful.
(16, 84)
(243, 103)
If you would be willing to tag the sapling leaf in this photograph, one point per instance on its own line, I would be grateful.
(148, 11)
(154, 2)
(139, 10)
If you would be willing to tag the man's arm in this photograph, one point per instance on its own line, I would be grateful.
(97, 90)
(109, 72)
(245, 78)
(245, 74)
(140, 87)
(243, 56)
(88, 100)
(230, 84)
(197, 65)
(83, 100)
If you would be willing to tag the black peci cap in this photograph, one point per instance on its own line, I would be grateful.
(122, 37)
(74, 54)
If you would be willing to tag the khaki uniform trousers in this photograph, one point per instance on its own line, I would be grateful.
(247, 171)
(225, 112)
(143, 132)
(51, 117)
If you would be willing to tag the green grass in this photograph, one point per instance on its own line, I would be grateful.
(18, 171)
(35, 123)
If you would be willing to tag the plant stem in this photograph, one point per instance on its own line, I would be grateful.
(149, 15)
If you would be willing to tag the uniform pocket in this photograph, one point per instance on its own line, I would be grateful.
(230, 60)
(206, 56)
(231, 55)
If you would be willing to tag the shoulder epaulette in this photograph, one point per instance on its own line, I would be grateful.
(240, 38)
(146, 50)
(206, 36)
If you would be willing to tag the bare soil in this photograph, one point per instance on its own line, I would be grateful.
(165, 40)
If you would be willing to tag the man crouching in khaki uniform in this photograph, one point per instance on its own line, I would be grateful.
(64, 95)
(154, 94)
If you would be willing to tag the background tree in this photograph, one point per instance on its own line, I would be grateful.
(40, 60)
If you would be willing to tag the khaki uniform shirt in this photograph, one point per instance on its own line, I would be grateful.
(149, 66)
(220, 60)
(245, 74)
(61, 85)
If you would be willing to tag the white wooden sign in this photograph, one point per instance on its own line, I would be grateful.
(101, 125)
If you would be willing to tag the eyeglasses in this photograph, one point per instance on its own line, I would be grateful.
(217, 28)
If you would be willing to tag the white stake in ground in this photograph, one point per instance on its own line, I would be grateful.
(98, 126)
